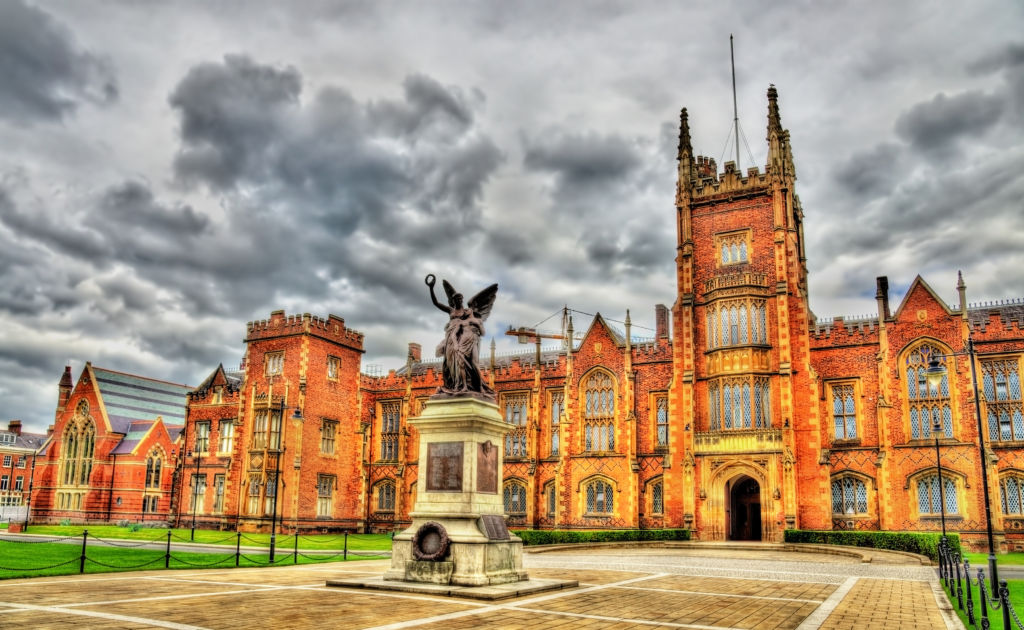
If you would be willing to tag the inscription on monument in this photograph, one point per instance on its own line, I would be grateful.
(487, 468)
(444, 467)
(494, 527)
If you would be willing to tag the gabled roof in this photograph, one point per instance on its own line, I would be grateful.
(128, 398)
(233, 381)
(25, 441)
(137, 431)
(618, 337)
(919, 282)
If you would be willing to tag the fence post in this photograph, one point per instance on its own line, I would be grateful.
(345, 556)
(238, 548)
(85, 538)
(167, 556)
(1004, 598)
(983, 597)
(296, 546)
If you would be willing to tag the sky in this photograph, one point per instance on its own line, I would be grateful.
(171, 171)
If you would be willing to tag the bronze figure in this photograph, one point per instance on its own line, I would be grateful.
(461, 344)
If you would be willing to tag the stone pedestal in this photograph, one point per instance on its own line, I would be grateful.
(459, 488)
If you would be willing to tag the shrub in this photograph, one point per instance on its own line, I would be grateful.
(562, 537)
(66, 522)
(924, 544)
(135, 527)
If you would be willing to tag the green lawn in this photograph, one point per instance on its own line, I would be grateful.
(357, 542)
(981, 559)
(17, 558)
(995, 616)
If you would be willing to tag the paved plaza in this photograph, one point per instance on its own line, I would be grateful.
(619, 589)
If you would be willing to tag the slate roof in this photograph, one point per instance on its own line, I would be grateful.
(129, 399)
(26, 441)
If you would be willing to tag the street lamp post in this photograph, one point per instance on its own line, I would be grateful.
(28, 501)
(277, 478)
(936, 428)
(934, 373)
(195, 494)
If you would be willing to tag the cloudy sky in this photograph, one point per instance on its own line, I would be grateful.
(170, 171)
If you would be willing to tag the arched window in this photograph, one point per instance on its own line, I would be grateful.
(78, 448)
(658, 498)
(1003, 399)
(661, 417)
(929, 496)
(1011, 494)
(600, 498)
(734, 326)
(849, 496)
(743, 251)
(149, 472)
(516, 407)
(156, 472)
(714, 407)
(740, 403)
(762, 318)
(928, 405)
(844, 412)
(724, 320)
(386, 497)
(514, 496)
(552, 498)
(725, 254)
(743, 325)
(599, 424)
(390, 415)
(557, 406)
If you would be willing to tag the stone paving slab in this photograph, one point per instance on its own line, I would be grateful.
(615, 592)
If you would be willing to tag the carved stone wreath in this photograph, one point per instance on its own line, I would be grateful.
(430, 543)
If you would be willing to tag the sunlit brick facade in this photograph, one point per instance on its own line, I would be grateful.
(744, 414)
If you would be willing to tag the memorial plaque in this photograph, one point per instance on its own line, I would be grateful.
(444, 467)
(494, 527)
(487, 468)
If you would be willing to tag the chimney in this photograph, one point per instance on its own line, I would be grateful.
(14, 426)
(882, 295)
(661, 321)
(416, 352)
(706, 167)
(49, 430)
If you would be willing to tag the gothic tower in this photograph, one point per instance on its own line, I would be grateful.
(748, 448)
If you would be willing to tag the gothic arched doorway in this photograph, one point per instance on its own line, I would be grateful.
(744, 509)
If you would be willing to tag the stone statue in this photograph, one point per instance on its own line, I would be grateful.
(461, 344)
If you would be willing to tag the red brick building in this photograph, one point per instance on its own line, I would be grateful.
(749, 416)
(112, 452)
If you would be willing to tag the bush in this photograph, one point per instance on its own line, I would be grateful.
(135, 527)
(66, 522)
(924, 544)
(562, 537)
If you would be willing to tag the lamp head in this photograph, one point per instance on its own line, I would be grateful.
(934, 373)
(297, 415)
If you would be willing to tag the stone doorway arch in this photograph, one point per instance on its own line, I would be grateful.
(731, 488)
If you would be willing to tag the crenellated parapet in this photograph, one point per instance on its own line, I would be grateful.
(844, 330)
(280, 325)
(730, 183)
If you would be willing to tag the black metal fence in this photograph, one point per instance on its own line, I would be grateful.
(279, 552)
(955, 572)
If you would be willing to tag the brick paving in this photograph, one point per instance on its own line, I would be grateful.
(753, 591)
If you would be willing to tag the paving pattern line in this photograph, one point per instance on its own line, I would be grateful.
(496, 607)
(101, 615)
(672, 590)
(646, 622)
(155, 598)
(821, 613)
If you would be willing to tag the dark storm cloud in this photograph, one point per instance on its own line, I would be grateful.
(44, 73)
(943, 120)
(583, 162)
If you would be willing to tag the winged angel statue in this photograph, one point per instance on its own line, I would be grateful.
(461, 344)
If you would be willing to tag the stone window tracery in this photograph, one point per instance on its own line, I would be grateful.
(929, 496)
(390, 416)
(733, 248)
(79, 448)
(849, 496)
(324, 496)
(737, 322)
(599, 413)
(661, 421)
(557, 407)
(386, 497)
(844, 411)
(1011, 494)
(928, 405)
(1003, 407)
(600, 498)
(275, 363)
(333, 368)
(269, 494)
(328, 430)
(514, 498)
(516, 413)
(255, 481)
(260, 419)
(739, 403)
